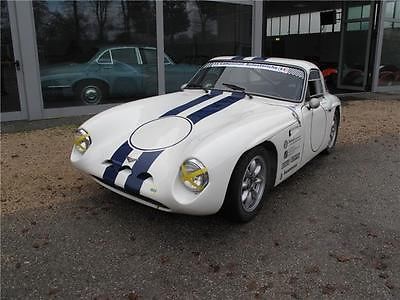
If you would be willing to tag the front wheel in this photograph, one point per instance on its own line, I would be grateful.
(248, 186)
(333, 134)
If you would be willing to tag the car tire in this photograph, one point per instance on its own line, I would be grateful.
(91, 92)
(253, 166)
(333, 134)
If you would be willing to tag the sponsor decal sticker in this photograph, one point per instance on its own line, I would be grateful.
(275, 68)
(295, 157)
(285, 144)
(285, 163)
(290, 169)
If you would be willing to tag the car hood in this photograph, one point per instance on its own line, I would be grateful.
(158, 122)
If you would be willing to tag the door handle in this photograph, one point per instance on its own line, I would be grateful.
(17, 65)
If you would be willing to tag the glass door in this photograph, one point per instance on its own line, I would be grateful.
(10, 68)
(355, 44)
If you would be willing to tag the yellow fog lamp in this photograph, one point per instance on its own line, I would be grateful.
(82, 140)
(194, 175)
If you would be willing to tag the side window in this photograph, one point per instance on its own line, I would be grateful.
(315, 88)
(105, 59)
(167, 60)
(125, 55)
(149, 56)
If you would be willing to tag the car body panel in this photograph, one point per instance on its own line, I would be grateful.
(224, 125)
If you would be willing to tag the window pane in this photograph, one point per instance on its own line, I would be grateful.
(275, 26)
(315, 23)
(355, 26)
(284, 25)
(366, 11)
(149, 56)
(125, 55)
(72, 37)
(304, 23)
(364, 25)
(269, 27)
(196, 31)
(9, 87)
(354, 12)
(389, 10)
(294, 24)
(389, 70)
(105, 58)
(397, 10)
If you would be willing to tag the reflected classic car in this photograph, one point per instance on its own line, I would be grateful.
(125, 71)
(239, 127)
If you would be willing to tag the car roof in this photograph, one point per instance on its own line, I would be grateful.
(117, 46)
(257, 59)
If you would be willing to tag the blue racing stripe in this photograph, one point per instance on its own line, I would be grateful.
(215, 107)
(118, 158)
(237, 58)
(181, 108)
(133, 182)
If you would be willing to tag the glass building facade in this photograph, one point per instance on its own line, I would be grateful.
(64, 58)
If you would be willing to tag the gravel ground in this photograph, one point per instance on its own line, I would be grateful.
(330, 231)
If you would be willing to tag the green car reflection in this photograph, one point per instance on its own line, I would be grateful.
(125, 71)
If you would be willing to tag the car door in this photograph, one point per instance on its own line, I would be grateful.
(125, 76)
(148, 67)
(314, 116)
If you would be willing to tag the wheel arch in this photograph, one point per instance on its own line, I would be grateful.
(88, 80)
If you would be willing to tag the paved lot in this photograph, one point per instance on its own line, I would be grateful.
(330, 231)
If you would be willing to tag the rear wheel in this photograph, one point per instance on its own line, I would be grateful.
(91, 92)
(248, 186)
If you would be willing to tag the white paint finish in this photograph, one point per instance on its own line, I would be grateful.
(218, 141)
(161, 133)
(318, 128)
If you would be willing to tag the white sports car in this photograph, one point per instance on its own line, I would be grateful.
(239, 127)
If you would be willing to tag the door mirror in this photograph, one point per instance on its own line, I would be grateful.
(183, 86)
(314, 103)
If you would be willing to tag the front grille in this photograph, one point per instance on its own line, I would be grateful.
(146, 199)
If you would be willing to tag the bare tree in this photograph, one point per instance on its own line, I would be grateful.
(126, 17)
(101, 11)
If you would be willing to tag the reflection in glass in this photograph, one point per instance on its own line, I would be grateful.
(90, 51)
(275, 26)
(354, 53)
(9, 87)
(315, 24)
(294, 24)
(304, 23)
(195, 31)
(354, 12)
(284, 25)
(389, 69)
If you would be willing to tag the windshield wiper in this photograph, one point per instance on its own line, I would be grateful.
(237, 88)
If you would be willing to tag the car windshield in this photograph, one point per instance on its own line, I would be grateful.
(281, 82)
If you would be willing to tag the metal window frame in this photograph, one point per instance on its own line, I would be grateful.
(378, 51)
(15, 37)
(344, 23)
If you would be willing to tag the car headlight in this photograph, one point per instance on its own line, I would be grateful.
(194, 175)
(82, 140)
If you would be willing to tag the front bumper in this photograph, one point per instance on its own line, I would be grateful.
(138, 198)
(164, 190)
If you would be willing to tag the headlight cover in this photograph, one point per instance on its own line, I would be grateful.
(82, 140)
(194, 175)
